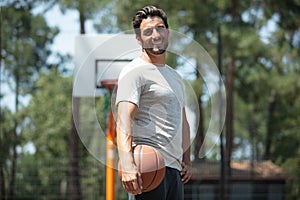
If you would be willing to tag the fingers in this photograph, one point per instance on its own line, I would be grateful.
(132, 183)
(140, 181)
(186, 173)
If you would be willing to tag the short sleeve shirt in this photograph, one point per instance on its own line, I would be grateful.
(159, 93)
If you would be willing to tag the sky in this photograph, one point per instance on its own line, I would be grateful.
(69, 28)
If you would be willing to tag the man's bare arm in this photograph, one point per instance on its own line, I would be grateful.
(131, 177)
(186, 172)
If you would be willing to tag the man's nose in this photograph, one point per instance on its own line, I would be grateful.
(155, 34)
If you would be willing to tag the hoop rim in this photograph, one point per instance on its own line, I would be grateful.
(109, 83)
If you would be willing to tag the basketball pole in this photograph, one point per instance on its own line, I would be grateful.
(110, 158)
(110, 148)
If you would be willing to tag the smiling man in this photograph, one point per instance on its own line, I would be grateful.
(151, 110)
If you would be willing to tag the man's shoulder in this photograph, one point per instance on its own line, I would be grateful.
(131, 67)
(136, 62)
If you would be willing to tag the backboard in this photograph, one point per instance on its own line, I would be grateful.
(101, 57)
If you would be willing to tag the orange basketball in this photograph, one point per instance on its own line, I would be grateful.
(151, 166)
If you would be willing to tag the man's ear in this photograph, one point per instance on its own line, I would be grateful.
(138, 38)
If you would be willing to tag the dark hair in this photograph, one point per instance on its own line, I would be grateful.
(144, 13)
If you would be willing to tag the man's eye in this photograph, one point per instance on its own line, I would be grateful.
(161, 28)
(148, 32)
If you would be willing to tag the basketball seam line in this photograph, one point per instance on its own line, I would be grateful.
(152, 181)
(140, 157)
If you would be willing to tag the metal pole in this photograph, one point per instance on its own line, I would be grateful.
(110, 155)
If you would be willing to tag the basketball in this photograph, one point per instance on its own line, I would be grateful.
(151, 166)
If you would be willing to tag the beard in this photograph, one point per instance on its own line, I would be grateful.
(156, 49)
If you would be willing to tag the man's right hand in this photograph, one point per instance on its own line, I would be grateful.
(131, 179)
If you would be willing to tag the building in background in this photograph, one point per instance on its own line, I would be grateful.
(249, 181)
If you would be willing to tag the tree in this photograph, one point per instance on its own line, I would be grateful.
(282, 136)
(47, 128)
(86, 10)
(26, 39)
(286, 16)
(6, 123)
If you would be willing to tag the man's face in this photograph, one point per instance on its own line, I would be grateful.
(154, 35)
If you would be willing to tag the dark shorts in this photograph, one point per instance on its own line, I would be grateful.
(171, 188)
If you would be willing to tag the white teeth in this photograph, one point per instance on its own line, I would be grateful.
(157, 44)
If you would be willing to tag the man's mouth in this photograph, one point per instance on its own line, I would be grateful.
(159, 42)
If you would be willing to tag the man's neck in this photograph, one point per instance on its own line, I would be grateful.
(158, 60)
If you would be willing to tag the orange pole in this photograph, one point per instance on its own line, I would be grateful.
(110, 158)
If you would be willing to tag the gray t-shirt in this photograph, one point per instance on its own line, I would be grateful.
(158, 92)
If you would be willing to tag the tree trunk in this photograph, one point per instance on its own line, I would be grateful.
(81, 19)
(2, 182)
(229, 134)
(229, 112)
(75, 190)
(272, 103)
(2, 160)
(229, 125)
(12, 174)
(75, 187)
(234, 10)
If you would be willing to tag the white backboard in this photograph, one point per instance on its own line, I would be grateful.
(101, 57)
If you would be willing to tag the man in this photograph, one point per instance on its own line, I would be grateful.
(151, 110)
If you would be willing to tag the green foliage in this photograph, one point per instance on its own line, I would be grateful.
(28, 173)
(90, 7)
(288, 12)
(291, 166)
(26, 44)
(48, 127)
(53, 94)
(7, 125)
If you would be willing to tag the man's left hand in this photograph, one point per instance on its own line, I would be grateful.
(186, 172)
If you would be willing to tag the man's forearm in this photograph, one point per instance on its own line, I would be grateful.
(124, 134)
(185, 138)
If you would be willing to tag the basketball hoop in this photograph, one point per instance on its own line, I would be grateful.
(109, 83)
